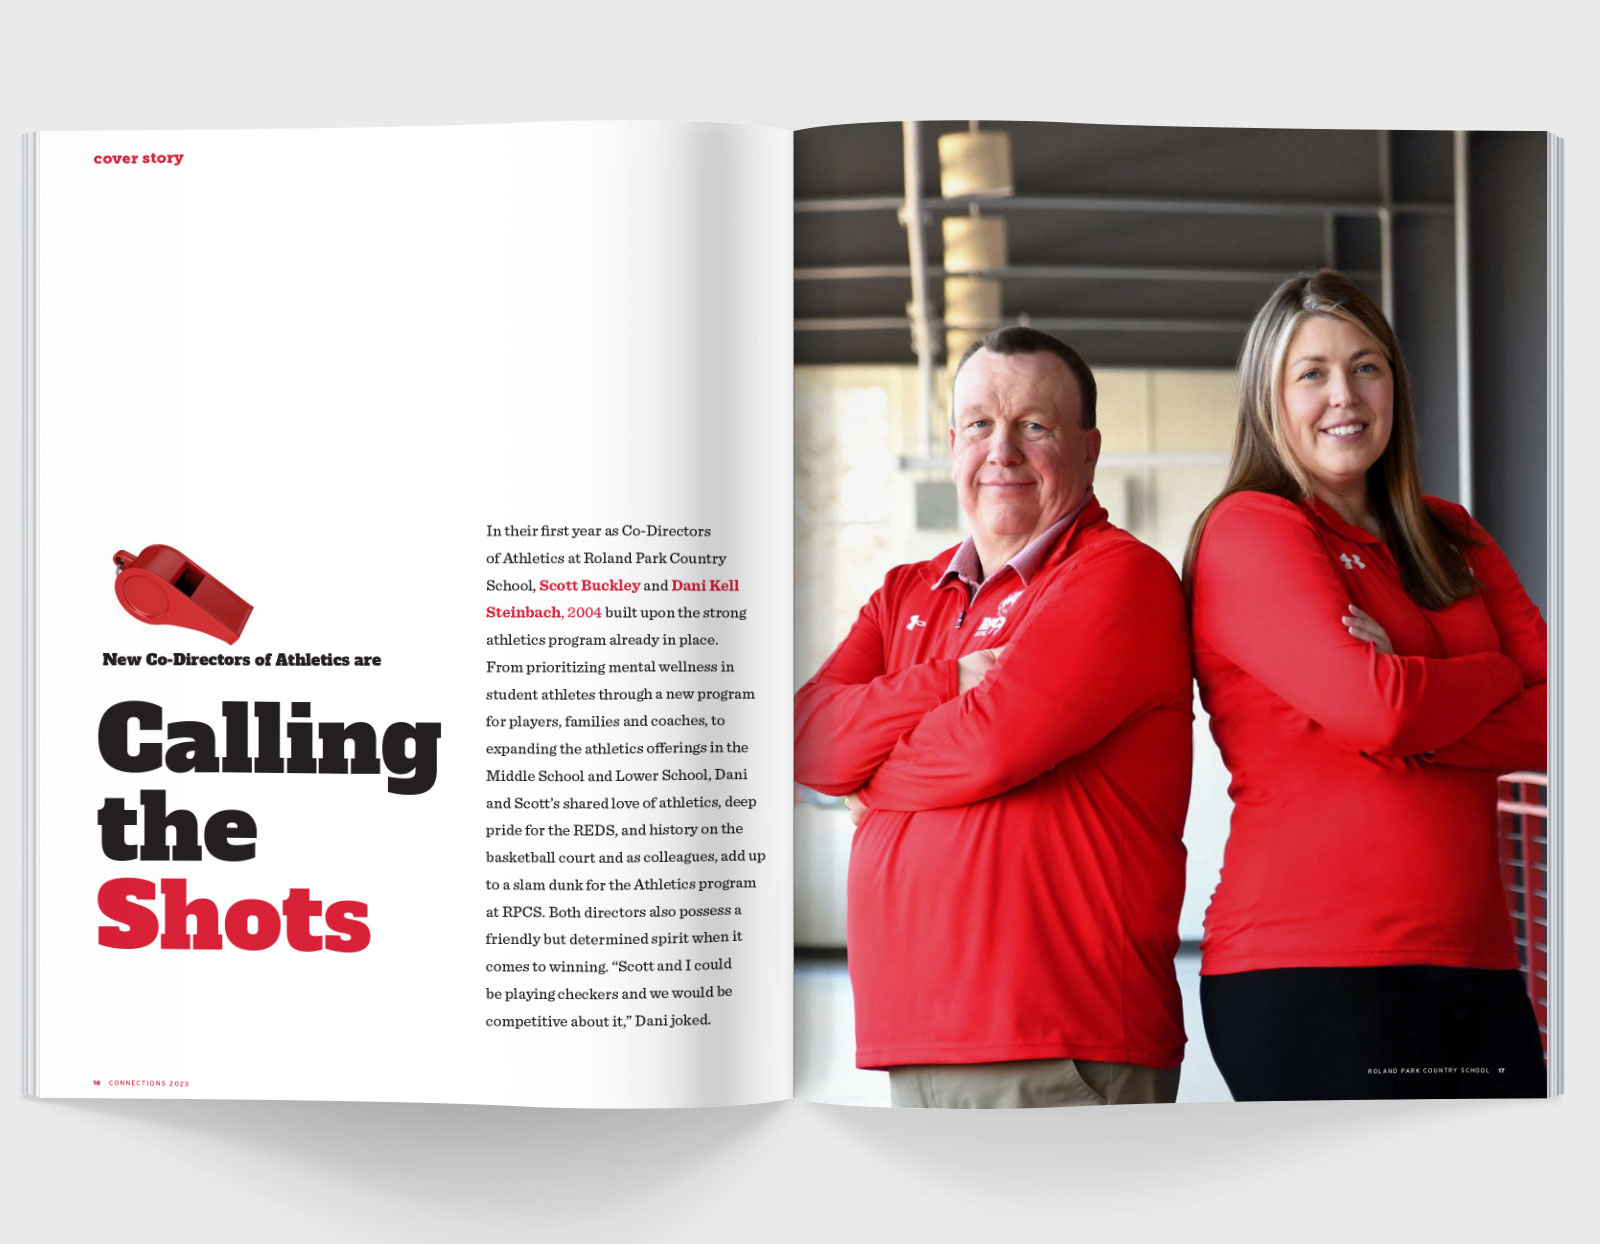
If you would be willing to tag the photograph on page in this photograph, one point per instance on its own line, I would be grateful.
(1171, 592)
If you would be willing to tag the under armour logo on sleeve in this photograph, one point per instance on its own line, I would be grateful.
(1352, 561)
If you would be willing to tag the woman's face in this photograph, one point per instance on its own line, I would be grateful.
(1338, 402)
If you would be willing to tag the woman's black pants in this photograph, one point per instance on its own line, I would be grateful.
(1303, 1034)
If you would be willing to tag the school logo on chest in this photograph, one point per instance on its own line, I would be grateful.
(992, 624)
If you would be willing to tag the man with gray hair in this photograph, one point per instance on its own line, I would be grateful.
(1011, 722)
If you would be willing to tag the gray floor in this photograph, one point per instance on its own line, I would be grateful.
(824, 1045)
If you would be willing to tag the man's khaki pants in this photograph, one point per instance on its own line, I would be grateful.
(1030, 1083)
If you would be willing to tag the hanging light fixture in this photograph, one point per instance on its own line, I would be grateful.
(974, 243)
(971, 302)
(974, 163)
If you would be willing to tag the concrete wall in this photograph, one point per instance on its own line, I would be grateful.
(1507, 241)
(1507, 291)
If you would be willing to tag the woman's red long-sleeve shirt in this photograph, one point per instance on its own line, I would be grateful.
(1014, 891)
(1363, 784)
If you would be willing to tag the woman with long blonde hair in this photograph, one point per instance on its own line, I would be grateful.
(1370, 663)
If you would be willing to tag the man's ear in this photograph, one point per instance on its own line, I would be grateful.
(1091, 447)
(952, 436)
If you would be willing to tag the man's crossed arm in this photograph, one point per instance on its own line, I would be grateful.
(1105, 641)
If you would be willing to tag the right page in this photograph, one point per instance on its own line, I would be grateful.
(1171, 616)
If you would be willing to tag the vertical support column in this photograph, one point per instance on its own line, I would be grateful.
(1463, 323)
(1385, 227)
(921, 334)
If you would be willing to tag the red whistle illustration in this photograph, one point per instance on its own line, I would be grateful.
(164, 588)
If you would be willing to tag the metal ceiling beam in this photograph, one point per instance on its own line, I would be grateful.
(1126, 203)
(1049, 324)
(1065, 272)
(1133, 460)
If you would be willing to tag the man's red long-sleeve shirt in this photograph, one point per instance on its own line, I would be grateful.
(1014, 890)
(1363, 784)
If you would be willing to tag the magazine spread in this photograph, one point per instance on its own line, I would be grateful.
(454, 552)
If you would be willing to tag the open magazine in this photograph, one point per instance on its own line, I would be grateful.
(427, 531)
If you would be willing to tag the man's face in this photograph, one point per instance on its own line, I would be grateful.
(1022, 458)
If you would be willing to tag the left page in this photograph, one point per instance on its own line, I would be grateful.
(427, 738)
